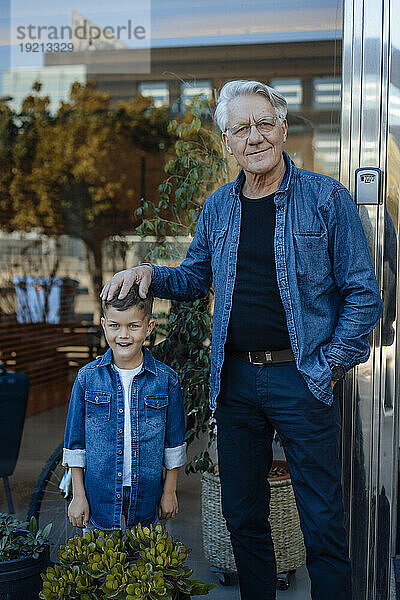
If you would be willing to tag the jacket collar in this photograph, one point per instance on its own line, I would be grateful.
(149, 363)
(283, 188)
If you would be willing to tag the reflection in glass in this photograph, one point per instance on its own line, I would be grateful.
(55, 83)
(156, 90)
(191, 89)
(326, 92)
(292, 89)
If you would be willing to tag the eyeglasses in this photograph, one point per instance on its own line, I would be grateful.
(263, 126)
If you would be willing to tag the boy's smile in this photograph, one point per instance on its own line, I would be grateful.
(125, 332)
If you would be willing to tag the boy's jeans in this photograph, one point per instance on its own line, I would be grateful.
(254, 401)
(126, 492)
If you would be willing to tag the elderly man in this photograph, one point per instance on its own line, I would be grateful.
(295, 299)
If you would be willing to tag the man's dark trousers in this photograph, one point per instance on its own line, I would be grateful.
(253, 402)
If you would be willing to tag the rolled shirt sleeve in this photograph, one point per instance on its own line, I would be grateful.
(74, 458)
(175, 446)
(175, 457)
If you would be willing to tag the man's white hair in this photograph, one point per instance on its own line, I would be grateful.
(232, 89)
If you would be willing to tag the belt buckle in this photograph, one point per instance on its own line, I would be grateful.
(268, 358)
(250, 361)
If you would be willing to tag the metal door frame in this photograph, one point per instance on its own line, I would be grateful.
(370, 405)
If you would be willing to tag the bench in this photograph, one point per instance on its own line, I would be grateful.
(50, 354)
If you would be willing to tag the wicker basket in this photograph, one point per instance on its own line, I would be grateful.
(284, 519)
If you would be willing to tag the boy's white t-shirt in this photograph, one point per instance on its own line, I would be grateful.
(127, 376)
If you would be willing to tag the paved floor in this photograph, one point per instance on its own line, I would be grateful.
(44, 431)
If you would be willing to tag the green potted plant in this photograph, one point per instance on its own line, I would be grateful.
(143, 563)
(196, 169)
(24, 553)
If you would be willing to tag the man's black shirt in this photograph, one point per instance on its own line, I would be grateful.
(258, 320)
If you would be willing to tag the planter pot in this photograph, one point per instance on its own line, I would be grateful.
(284, 520)
(20, 578)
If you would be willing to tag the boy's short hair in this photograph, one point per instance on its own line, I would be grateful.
(131, 299)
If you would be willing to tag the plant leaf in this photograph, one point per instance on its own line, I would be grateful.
(46, 531)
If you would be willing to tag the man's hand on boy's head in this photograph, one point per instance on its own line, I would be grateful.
(125, 279)
(78, 511)
(168, 505)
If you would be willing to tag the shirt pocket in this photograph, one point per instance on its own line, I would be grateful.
(156, 410)
(98, 407)
(313, 261)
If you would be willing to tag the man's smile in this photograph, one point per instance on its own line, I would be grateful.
(257, 152)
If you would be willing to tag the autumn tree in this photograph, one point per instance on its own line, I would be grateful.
(8, 133)
(78, 172)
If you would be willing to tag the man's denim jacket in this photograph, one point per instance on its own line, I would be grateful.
(324, 271)
(94, 437)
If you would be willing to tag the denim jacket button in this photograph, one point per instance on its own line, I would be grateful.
(121, 410)
(119, 474)
(119, 451)
(119, 387)
(157, 403)
(96, 398)
(118, 496)
(119, 430)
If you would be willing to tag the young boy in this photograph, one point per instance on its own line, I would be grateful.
(125, 421)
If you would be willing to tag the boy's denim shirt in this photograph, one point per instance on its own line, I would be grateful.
(324, 271)
(94, 437)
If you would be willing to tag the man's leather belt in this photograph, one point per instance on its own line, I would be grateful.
(266, 357)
